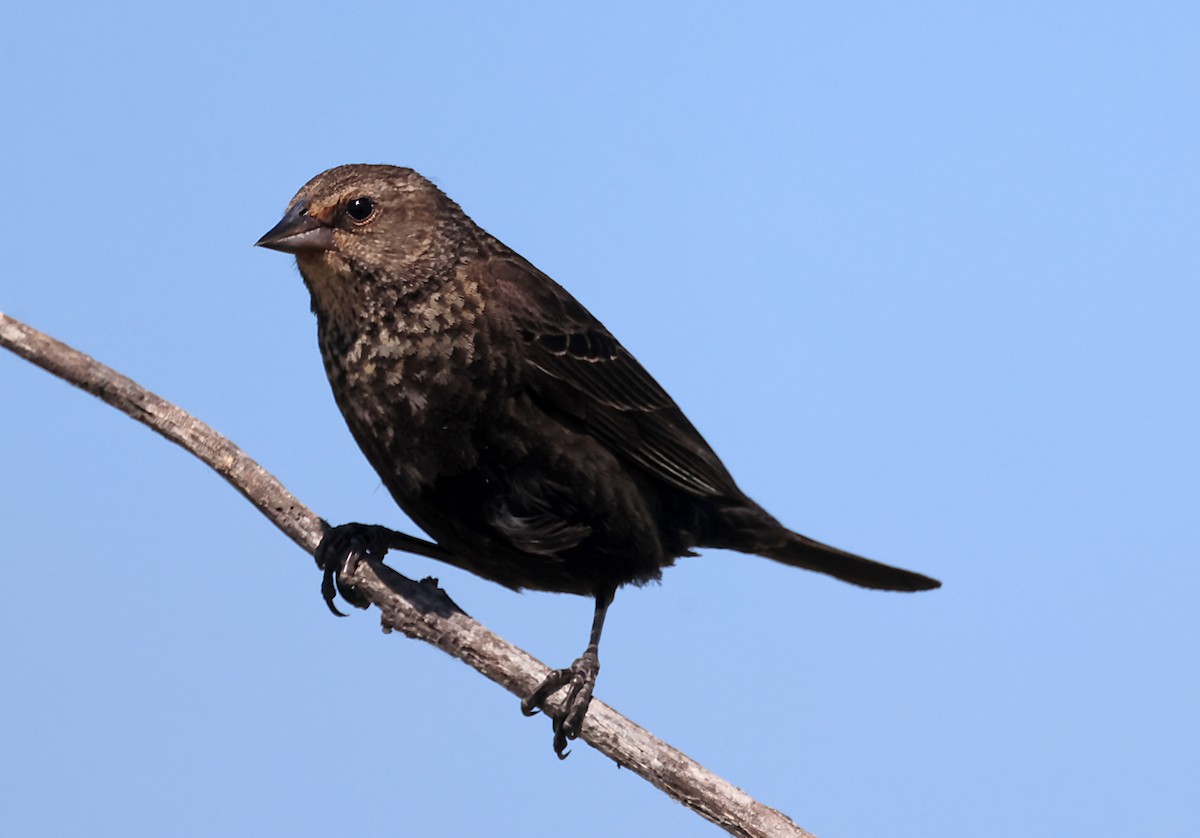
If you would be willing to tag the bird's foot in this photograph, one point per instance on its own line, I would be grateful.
(579, 679)
(339, 553)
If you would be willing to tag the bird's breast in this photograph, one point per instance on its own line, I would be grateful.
(414, 389)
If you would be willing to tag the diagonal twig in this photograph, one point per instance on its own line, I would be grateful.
(418, 609)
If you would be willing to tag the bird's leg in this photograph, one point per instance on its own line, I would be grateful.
(342, 548)
(580, 680)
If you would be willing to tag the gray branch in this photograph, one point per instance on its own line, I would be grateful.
(418, 609)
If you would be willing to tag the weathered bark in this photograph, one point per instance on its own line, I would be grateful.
(418, 609)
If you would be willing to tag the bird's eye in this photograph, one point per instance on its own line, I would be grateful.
(360, 209)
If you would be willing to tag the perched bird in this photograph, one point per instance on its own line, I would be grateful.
(505, 420)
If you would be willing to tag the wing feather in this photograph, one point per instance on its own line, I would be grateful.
(578, 369)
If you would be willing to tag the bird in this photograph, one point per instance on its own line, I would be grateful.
(506, 421)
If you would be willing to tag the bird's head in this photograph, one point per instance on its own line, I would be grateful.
(361, 228)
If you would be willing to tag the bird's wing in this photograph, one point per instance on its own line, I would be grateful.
(581, 373)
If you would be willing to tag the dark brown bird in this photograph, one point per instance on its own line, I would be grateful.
(505, 420)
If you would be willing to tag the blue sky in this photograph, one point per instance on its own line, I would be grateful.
(924, 275)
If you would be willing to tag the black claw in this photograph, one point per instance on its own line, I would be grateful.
(552, 684)
(349, 565)
(568, 722)
(338, 555)
(329, 591)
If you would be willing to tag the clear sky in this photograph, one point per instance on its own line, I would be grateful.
(924, 274)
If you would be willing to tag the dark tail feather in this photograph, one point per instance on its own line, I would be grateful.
(813, 555)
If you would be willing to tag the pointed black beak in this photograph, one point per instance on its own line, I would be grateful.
(297, 232)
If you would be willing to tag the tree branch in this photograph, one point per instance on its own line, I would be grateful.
(418, 609)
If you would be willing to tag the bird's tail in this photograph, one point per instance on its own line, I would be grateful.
(798, 551)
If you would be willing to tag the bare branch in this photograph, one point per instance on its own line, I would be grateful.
(418, 609)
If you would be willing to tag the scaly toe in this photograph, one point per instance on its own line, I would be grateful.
(551, 684)
(338, 555)
(567, 723)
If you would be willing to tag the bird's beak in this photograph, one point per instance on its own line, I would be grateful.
(297, 232)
